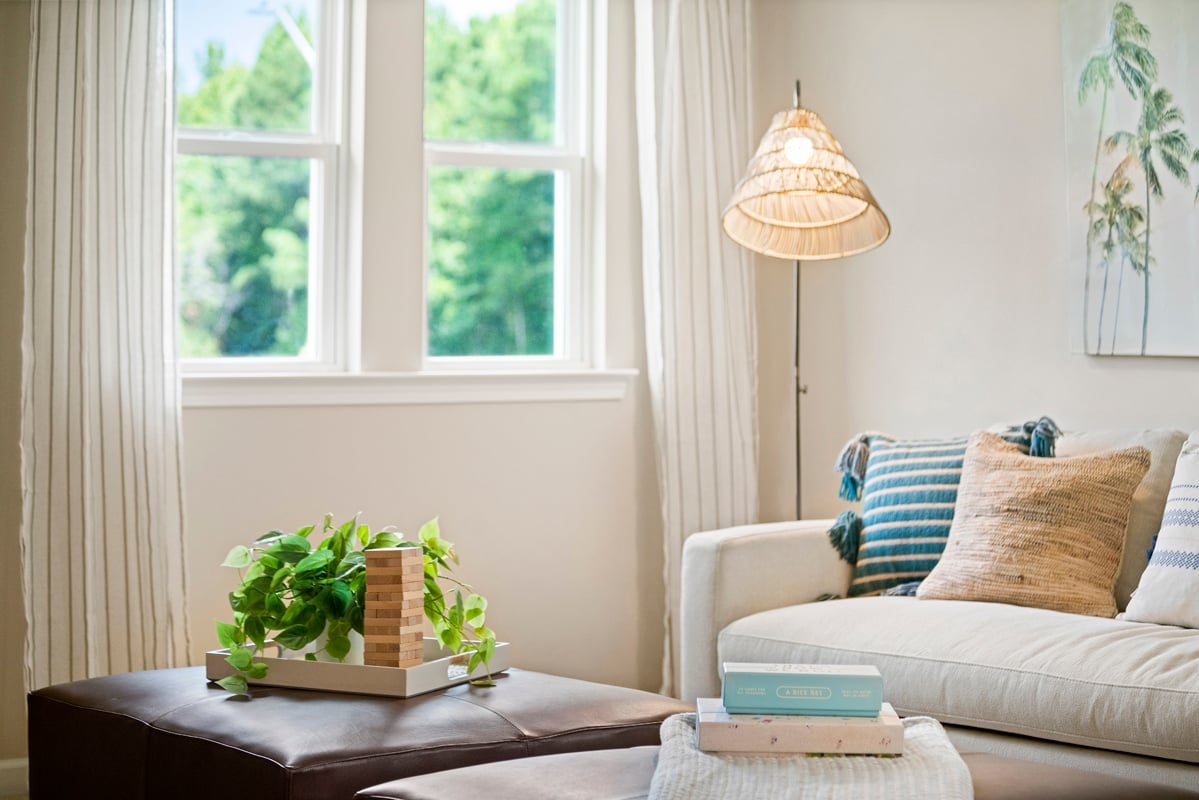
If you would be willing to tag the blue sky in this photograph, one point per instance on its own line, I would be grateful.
(241, 24)
(238, 24)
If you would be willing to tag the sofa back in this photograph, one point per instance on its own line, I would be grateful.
(1149, 500)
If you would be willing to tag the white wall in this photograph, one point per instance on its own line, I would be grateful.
(553, 506)
(952, 112)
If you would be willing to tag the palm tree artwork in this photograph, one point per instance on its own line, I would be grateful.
(1120, 209)
(1158, 138)
(1130, 238)
(1118, 228)
(1125, 55)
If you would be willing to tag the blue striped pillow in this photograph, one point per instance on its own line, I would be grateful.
(908, 490)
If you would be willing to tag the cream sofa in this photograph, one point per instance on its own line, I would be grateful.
(1098, 694)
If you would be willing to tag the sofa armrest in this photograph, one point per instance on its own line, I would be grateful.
(732, 573)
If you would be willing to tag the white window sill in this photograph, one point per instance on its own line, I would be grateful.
(403, 388)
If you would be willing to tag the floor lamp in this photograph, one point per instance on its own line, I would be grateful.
(801, 199)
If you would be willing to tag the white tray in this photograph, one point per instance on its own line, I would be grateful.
(441, 669)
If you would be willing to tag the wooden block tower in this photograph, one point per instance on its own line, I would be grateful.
(393, 625)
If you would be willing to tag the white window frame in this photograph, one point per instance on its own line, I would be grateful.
(327, 287)
(567, 158)
(380, 287)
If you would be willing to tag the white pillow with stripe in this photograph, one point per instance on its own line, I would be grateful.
(1168, 593)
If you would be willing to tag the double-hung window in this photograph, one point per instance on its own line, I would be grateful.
(266, 192)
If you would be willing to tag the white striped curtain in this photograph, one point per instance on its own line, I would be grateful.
(102, 528)
(694, 139)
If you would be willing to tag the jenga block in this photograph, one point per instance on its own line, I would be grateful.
(393, 584)
(411, 551)
(388, 570)
(390, 563)
(381, 606)
(373, 560)
(388, 597)
(396, 611)
(383, 583)
(389, 660)
(416, 604)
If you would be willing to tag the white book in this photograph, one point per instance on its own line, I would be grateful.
(719, 731)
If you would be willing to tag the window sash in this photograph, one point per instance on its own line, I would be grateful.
(566, 158)
(322, 147)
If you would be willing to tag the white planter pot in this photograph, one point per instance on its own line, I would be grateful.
(355, 656)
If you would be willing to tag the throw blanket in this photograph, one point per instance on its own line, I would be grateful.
(929, 769)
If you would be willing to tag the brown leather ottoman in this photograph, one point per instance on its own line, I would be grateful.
(169, 733)
(626, 774)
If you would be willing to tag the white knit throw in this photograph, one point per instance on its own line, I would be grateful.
(929, 769)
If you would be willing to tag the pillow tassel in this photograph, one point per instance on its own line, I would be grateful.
(851, 463)
(845, 535)
(1044, 434)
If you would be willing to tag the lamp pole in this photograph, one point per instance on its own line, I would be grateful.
(800, 388)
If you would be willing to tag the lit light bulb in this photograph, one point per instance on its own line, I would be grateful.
(798, 150)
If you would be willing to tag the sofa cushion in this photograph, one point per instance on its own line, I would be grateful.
(1169, 588)
(908, 488)
(1091, 681)
(1150, 498)
(1039, 532)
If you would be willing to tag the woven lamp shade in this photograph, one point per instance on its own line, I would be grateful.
(801, 198)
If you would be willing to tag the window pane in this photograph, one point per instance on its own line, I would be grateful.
(245, 64)
(243, 249)
(489, 70)
(491, 262)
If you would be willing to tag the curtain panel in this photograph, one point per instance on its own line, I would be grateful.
(694, 138)
(102, 503)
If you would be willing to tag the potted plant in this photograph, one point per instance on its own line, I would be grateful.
(293, 592)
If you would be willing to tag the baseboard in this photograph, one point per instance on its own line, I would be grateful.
(14, 776)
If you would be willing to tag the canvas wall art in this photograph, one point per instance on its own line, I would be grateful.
(1131, 94)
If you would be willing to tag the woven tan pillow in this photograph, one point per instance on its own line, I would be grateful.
(1041, 532)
